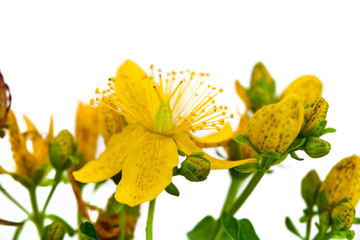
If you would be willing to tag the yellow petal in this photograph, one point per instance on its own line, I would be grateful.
(111, 161)
(148, 169)
(40, 146)
(110, 122)
(308, 88)
(216, 139)
(50, 135)
(86, 130)
(186, 145)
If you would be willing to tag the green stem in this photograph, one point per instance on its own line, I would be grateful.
(247, 191)
(37, 218)
(232, 192)
(57, 180)
(122, 225)
(308, 223)
(13, 200)
(217, 233)
(150, 218)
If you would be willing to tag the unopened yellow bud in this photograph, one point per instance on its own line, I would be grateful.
(313, 114)
(343, 181)
(276, 126)
(344, 213)
(306, 87)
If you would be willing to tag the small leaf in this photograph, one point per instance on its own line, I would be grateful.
(296, 157)
(271, 155)
(243, 138)
(66, 225)
(54, 231)
(322, 200)
(247, 167)
(230, 225)
(87, 231)
(328, 130)
(247, 231)
(356, 221)
(202, 230)
(296, 145)
(172, 190)
(291, 227)
(40, 172)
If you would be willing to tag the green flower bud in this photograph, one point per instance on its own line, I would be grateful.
(316, 147)
(65, 141)
(309, 187)
(313, 114)
(342, 216)
(262, 87)
(195, 168)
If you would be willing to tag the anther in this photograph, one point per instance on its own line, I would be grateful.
(97, 90)
(221, 90)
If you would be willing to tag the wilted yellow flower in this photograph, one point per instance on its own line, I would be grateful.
(87, 130)
(277, 125)
(343, 181)
(5, 99)
(157, 114)
(25, 161)
(314, 113)
(307, 87)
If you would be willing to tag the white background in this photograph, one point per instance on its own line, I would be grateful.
(54, 54)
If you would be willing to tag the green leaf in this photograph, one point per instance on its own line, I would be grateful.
(328, 130)
(87, 231)
(22, 180)
(291, 227)
(66, 225)
(271, 155)
(348, 234)
(247, 231)
(202, 230)
(230, 225)
(54, 153)
(296, 157)
(296, 145)
(247, 167)
(54, 231)
(317, 129)
(322, 200)
(172, 190)
(356, 220)
(243, 138)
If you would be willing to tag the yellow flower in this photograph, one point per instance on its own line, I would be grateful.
(314, 113)
(26, 161)
(159, 117)
(343, 181)
(307, 87)
(87, 130)
(277, 125)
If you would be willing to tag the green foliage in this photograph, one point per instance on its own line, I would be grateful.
(244, 139)
(87, 231)
(309, 187)
(54, 231)
(172, 190)
(238, 229)
(291, 227)
(69, 230)
(203, 230)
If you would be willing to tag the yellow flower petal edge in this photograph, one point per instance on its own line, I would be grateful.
(111, 161)
(276, 126)
(240, 90)
(215, 139)
(186, 145)
(343, 181)
(148, 169)
(110, 122)
(307, 87)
